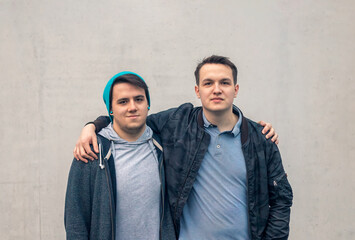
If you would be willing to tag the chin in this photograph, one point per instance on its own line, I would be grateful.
(217, 110)
(136, 127)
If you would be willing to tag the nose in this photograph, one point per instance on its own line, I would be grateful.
(132, 106)
(216, 89)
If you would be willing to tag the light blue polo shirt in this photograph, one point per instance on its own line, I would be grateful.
(217, 206)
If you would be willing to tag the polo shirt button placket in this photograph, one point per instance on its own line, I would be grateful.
(218, 145)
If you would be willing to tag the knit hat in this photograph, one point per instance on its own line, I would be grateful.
(107, 90)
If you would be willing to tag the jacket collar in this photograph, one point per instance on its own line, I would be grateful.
(243, 127)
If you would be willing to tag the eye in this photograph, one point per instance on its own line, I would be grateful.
(207, 83)
(225, 83)
(140, 99)
(121, 102)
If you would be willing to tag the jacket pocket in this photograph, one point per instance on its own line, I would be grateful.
(281, 187)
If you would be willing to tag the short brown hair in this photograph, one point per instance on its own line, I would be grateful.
(131, 79)
(214, 59)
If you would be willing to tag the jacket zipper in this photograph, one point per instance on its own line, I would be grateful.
(248, 200)
(111, 208)
(162, 198)
(188, 173)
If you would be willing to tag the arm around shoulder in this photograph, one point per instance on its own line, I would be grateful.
(158, 120)
(101, 122)
(82, 150)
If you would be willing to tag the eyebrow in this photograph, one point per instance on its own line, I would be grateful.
(138, 96)
(223, 79)
(226, 79)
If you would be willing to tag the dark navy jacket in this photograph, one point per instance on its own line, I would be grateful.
(91, 198)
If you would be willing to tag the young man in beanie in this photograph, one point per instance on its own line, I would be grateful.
(124, 192)
(225, 180)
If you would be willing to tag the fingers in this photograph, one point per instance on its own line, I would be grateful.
(270, 133)
(74, 153)
(267, 127)
(95, 145)
(83, 154)
(77, 154)
(82, 150)
(262, 123)
(89, 152)
(275, 138)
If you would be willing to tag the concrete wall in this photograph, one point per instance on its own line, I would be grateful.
(296, 63)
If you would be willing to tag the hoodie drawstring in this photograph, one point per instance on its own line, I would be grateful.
(108, 155)
(102, 166)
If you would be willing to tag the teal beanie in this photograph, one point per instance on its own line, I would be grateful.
(107, 90)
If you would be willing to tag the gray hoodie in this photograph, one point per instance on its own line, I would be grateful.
(138, 185)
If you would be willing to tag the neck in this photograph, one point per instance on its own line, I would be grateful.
(225, 121)
(130, 135)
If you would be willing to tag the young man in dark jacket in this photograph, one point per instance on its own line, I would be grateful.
(224, 179)
(124, 193)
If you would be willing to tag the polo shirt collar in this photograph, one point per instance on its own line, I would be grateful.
(236, 129)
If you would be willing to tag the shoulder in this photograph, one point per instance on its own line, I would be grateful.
(102, 140)
(81, 170)
(182, 113)
(173, 112)
(253, 126)
(186, 110)
(255, 133)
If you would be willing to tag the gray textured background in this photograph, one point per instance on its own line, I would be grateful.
(296, 64)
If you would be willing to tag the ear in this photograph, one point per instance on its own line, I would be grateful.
(236, 89)
(197, 91)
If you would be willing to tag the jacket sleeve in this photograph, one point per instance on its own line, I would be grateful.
(280, 198)
(157, 121)
(100, 123)
(77, 216)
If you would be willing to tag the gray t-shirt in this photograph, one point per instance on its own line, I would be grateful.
(138, 186)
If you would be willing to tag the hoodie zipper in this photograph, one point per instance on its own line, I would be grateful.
(110, 193)
(111, 208)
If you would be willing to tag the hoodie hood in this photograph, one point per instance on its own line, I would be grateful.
(109, 133)
(121, 148)
(107, 90)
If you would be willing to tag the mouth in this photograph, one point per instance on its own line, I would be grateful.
(217, 99)
(133, 116)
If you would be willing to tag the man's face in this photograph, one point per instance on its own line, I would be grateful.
(216, 88)
(130, 108)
